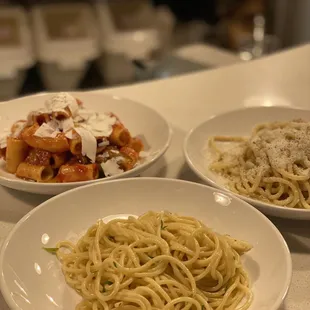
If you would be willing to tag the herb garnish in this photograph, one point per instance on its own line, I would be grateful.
(106, 283)
(51, 250)
(162, 225)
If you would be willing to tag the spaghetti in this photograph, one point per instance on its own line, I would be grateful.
(272, 165)
(157, 261)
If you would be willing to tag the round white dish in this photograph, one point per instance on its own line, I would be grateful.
(139, 119)
(236, 123)
(31, 278)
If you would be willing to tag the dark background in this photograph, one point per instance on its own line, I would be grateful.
(212, 12)
(184, 10)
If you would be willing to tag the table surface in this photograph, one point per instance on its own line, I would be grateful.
(185, 101)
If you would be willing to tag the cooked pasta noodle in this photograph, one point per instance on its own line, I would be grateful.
(71, 140)
(272, 165)
(157, 261)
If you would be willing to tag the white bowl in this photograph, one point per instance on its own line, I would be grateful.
(138, 118)
(238, 122)
(31, 278)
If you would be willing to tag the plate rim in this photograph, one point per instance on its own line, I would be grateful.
(211, 182)
(282, 294)
(125, 174)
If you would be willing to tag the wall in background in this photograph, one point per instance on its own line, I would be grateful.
(292, 21)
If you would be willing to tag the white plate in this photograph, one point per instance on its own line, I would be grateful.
(31, 278)
(138, 118)
(238, 122)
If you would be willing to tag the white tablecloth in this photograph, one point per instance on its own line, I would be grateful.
(185, 101)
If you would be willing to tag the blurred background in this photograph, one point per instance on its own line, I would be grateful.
(70, 45)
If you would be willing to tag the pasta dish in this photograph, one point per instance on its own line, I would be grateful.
(65, 142)
(272, 165)
(158, 261)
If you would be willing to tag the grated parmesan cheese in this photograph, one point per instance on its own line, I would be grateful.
(281, 147)
(277, 146)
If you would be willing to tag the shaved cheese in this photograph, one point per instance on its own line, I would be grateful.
(119, 159)
(19, 127)
(46, 131)
(103, 156)
(60, 102)
(144, 154)
(84, 114)
(66, 124)
(3, 143)
(73, 106)
(3, 138)
(100, 125)
(89, 143)
(33, 114)
(53, 124)
(110, 167)
(78, 119)
(54, 134)
(104, 143)
(69, 134)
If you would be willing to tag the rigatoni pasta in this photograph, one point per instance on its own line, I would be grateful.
(120, 135)
(78, 172)
(56, 144)
(58, 159)
(35, 172)
(65, 142)
(136, 144)
(75, 145)
(16, 152)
